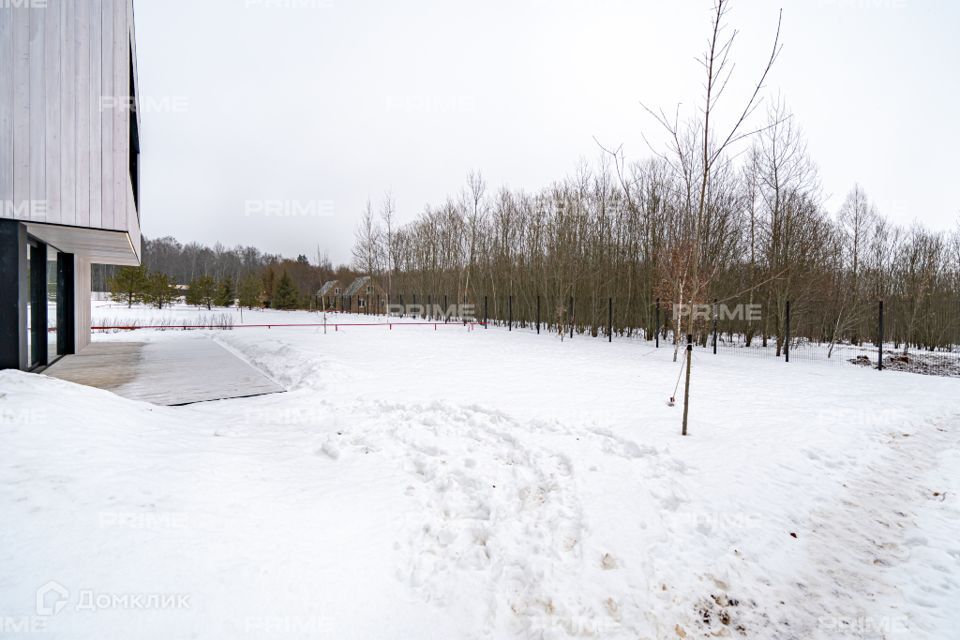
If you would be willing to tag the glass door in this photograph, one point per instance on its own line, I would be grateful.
(37, 304)
(31, 362)
(53, 301)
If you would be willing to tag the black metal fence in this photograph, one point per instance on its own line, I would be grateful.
(922, 336)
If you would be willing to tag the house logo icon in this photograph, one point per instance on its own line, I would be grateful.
(51, 598)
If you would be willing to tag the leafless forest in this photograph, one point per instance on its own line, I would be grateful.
(729, 209)
(725, 211)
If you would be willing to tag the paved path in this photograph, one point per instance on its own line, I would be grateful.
(166, 372)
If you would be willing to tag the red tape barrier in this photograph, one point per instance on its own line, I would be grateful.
(334, 325)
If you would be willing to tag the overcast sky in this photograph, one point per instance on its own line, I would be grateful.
(308, 107)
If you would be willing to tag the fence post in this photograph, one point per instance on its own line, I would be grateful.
(445, 308)
(714, 326)
(880, 340)
(609, 319)
(686, 386)
(509, 313)
(656, 328)
(571, 317)
(786, 333)
(484, 312)
(538, 315)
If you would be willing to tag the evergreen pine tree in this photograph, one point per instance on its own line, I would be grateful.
(201, 292)
(225, 296)
(159, 291)
(191, 296)
(128, 285)
(250, 289)
(285, 295)
(268, 282)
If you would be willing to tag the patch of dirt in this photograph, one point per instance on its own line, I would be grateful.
(928, 364)
(717, 615)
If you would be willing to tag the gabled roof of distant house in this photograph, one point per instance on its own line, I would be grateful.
(356, 286)
(327, 287)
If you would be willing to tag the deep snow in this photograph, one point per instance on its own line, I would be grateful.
(452, 483)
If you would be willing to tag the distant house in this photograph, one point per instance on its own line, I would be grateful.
(364, 295)
(329, 295)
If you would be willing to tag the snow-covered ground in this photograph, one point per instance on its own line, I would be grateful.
(457, 483)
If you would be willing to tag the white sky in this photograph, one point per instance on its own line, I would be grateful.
(315, 105)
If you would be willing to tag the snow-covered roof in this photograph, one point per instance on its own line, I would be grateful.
(356, 285)
(327, 287)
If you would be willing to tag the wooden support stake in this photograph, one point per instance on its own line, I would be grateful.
(686, 387)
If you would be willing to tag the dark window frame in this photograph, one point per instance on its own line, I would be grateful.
(66, 308)
(134, 139)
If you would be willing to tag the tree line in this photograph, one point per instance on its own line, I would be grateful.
(216, 276)
(765, 240)
(732, 213)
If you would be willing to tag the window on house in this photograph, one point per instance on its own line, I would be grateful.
(361, 302)
(134, 140)
(336, 291)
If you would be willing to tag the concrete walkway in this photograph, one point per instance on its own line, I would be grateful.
(167, 372)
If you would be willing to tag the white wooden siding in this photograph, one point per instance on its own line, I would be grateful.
(64, 115)
(68, 113)
(121, 132)
(21, 108)
(106, 115)
(51, 72)
(82, 119)
(38, 91)
(6, 106)
(94, 118)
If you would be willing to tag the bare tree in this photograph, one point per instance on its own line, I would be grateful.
(368, 248)
(694, 150)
